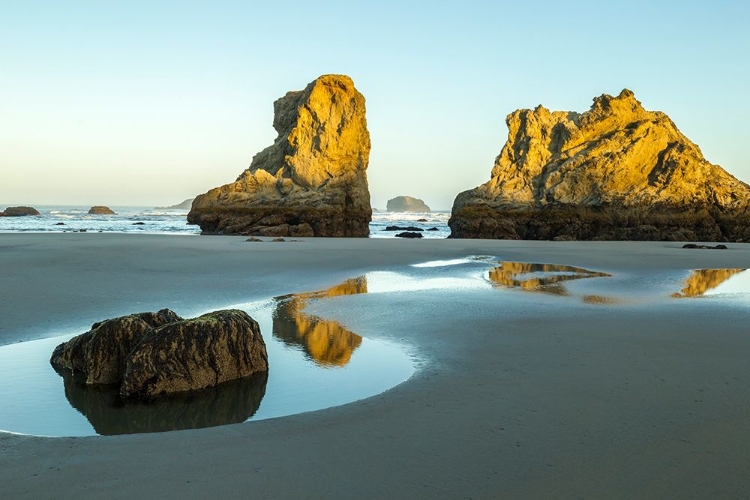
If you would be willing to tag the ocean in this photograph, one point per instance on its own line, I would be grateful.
(150, 220)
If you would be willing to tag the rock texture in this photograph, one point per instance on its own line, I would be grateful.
(406, 204)
(19, 212)
(616, 171)
(101, 353)
(101, 210)
(311, 182)
(151, 354)
(195, 354)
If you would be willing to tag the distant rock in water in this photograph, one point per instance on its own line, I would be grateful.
(409, 234)
(311, 182)
(185, 205)
(19, 212)
(406, 204)
(615, 172)
(101, 210)
(150, 354)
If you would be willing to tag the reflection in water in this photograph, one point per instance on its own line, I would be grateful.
(546, 278)
(326, 342)
(703, 280)
(228, 403)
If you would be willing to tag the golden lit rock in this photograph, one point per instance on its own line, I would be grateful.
(703, 280)
(311, 182)
(614, 172)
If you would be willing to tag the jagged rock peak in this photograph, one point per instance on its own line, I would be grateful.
(312, 181)
(616, 159)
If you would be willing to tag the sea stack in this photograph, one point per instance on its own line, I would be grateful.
(615, 172)
(407, 204)
(311, 182)
(101, 210)
(19, 212)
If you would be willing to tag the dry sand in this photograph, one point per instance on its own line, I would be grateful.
(517, 395)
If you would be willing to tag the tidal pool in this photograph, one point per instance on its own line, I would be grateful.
(314, 364)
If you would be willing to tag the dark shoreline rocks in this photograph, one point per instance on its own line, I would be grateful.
(704, 247)
(409, 234)
(403, 228)
(311, 182)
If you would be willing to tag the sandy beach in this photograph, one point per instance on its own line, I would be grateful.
(516, 394)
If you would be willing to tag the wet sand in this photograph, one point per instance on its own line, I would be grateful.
(517, 395)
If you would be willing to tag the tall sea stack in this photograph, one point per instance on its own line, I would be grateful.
(615, 172)
(311, 182)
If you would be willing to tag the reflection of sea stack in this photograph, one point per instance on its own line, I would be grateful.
(326, 342)
(101, 210)
(703, 280)
(311, 182)
(616, 171)
(546, 278)
(406, 204)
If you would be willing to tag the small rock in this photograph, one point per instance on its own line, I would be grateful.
(433, 229)
(139, 223)
(101, 210)
(254, 240)
(60, 224)
(421, 220)
(403, 228)
(409, 234)
(278, 239)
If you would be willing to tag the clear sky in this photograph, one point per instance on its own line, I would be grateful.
(151, 102)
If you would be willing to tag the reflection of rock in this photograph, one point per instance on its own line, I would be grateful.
(702, 280)
(195, 354)
(229, 403)
(326, 342)
(19, 212)
(101, 210)
(311, 182)
(406, 204)
(522, 275)
(101, 352)
(615, 172)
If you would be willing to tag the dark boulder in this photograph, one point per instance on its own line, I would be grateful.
(195, 354)
(409, 234)
(402, 228)
(704, 247)
(101, 353)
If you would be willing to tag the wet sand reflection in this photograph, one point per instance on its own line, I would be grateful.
(544, 278)
(703, 280)
(325, 342)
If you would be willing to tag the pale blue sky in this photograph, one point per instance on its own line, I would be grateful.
(148, 102)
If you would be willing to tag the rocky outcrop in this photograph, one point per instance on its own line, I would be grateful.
(151, 354)
(195, 354)
(19, 212)
(101, 353)
(185, 205)
(101, 210)
(406, 204)
(311, 182)
(615, 172)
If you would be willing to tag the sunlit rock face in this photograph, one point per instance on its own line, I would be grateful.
(325, 342)
(703, 280)
(614, 172)
(311, 182)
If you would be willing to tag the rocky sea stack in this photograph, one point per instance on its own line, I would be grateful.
(407, 204)
(101, 210)
(615, 172)
(153, 354)
(311, 182)
(19, 212)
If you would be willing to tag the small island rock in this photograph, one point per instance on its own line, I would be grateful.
(406, 204)
(19, 212)
(101, 210)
